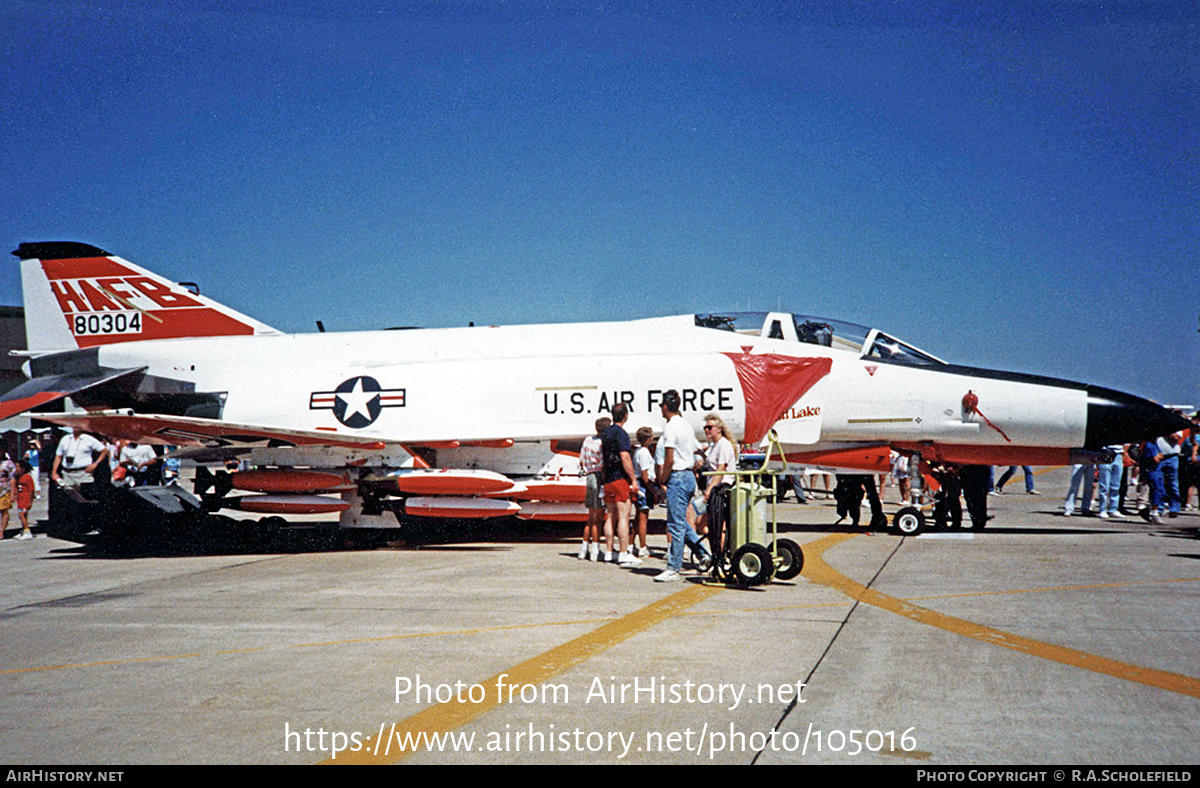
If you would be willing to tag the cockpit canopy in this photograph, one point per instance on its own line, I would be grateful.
(867, 342)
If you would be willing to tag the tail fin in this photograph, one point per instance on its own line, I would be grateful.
(78, 296)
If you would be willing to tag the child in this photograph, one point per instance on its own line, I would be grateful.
(643, 467)
(8, 478)
(25, 489)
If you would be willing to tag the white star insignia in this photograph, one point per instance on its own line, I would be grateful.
(357, 401)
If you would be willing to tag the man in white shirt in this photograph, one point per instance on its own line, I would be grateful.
(76, 459)
(678, 446)
(139, 461)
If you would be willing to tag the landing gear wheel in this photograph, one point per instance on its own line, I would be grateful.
(791, 559)
(909, 521)
(752, 564)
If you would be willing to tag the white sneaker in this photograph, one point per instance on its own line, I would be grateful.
(593, 551)
(666, 576)
(23, 535)
(625, 559)
(583, 551)
(1103, 515)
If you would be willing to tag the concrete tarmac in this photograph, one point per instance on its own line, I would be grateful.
(1040, 640)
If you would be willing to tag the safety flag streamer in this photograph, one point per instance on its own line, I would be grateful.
(970, 403)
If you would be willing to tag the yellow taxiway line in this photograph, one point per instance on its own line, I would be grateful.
(816, 570)
(446, 717)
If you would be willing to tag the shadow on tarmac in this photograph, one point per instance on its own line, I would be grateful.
(219, 535)
(991, 529)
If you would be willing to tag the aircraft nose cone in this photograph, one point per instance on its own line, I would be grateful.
(1115, 417)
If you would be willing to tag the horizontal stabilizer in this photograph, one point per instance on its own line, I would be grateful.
(49, 388)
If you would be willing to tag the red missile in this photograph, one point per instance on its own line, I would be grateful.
(451, 481)
(554, 512)
(459, 507)
(287, 504)
(563, 490)
(290, 480)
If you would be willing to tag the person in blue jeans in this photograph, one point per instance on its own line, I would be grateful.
(1148, 462)
(1012, 469)
(675, 470)
(1168, 447)
(1108, 480)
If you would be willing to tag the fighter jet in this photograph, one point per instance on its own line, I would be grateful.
(487, 421)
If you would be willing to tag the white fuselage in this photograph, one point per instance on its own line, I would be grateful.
(545, 382)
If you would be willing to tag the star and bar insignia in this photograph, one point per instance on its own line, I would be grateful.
(357, 402)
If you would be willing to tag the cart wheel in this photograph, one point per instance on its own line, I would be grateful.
(752, 564)
(909, 521)
(791, 559)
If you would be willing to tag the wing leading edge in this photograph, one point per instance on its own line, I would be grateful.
(189, 431)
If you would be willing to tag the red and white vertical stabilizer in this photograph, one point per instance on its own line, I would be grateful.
(78, 296)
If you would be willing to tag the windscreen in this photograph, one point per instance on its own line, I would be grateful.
(823, 331)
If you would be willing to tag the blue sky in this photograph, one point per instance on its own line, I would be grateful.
(1011, 185)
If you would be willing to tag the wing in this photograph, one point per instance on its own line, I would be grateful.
(188, 431)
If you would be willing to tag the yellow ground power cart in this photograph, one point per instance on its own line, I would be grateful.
(743, 527)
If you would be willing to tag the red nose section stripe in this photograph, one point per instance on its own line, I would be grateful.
(876, 459)
(771, 384)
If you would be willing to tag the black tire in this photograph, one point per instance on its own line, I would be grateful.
(753, 565)
(909, 521)
(791, 559)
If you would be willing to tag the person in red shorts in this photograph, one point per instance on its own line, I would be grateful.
(620, 485)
